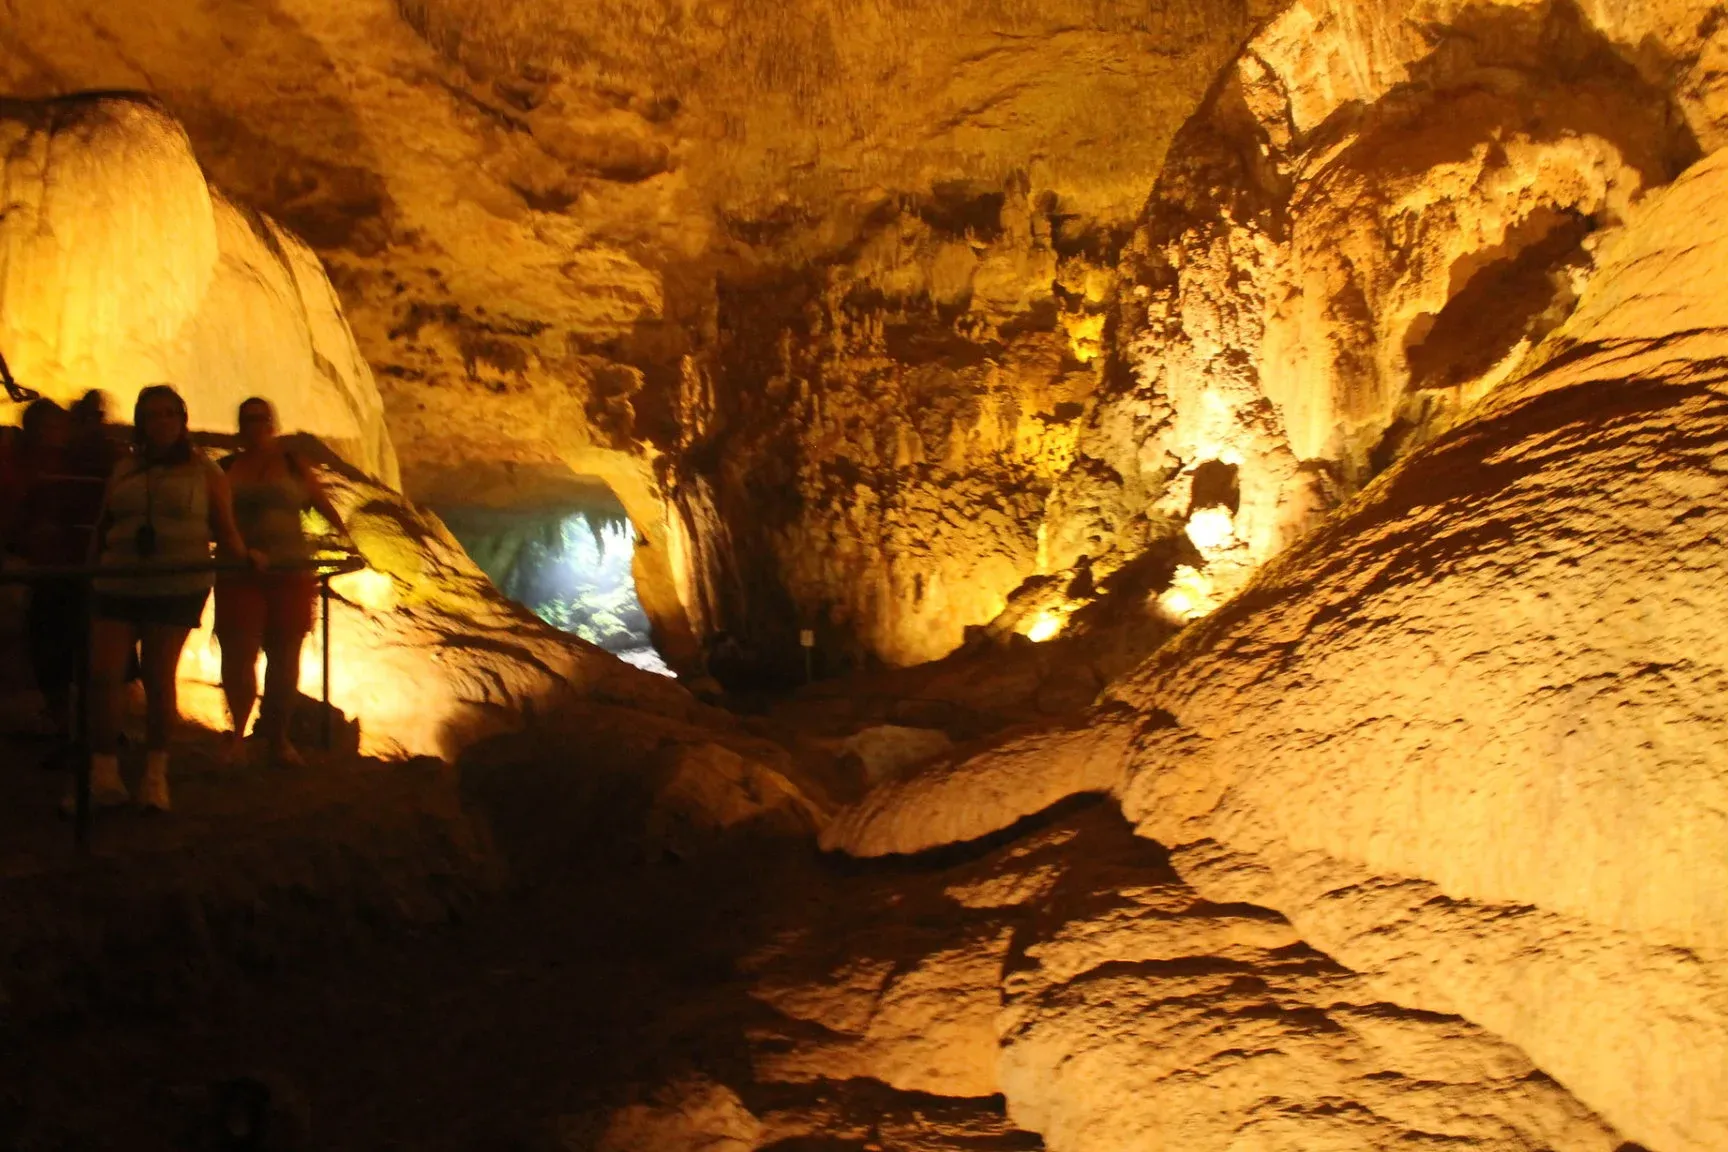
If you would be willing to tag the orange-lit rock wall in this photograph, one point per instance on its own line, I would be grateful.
(1465, 735)
(871, 311)
(545, 221)
(121, 267)
(1375, 218)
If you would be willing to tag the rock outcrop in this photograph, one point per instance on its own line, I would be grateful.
(1507, 646)
(120, 267)
(1464, 735)
(1375, 217)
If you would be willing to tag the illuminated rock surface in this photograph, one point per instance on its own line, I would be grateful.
(1114, 1007)
(887, 321)
(828, 297)
(121, 267)
(714, 258)
(425, 653)
(1463, 736)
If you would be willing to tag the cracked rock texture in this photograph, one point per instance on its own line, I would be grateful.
(1379, 211)
(1508, 645)
(1112, 1006)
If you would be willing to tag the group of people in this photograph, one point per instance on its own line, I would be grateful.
(70, 497)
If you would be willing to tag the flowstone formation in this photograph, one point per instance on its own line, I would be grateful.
(1504, 645)
(1375, 217)
(1388, 360)
(120, 267)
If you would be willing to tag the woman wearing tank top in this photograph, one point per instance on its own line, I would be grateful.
(164, 505)
(268, 610)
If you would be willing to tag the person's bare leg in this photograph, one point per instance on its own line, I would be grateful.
(110, 649)
(161, 662)
(240, 642)
(281, 689)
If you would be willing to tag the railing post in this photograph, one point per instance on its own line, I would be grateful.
(324, 606)
(81, 725)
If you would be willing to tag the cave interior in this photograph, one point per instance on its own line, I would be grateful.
(964, 576)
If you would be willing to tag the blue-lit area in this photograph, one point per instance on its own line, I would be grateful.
(570, 566)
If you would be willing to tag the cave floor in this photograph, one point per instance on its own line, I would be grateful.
(333, 934)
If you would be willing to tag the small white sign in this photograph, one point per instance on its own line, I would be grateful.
(807, 638)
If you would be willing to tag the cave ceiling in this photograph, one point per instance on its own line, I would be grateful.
(510, 195)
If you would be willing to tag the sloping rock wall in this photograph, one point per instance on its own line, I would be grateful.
(1507, 647)
(1465, 736)
(1112, 1006)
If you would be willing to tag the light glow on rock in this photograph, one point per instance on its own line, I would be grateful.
(1211, 529)
(1044, 626)
(1189, 596)
(367, 588)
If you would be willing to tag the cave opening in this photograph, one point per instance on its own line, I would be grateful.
(570, 562)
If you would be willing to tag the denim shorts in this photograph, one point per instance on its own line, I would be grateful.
(181, 610)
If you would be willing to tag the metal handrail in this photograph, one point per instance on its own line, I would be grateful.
(31, 573)
(323, 568)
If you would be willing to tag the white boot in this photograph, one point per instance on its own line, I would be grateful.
(106, 788)
(153, 789)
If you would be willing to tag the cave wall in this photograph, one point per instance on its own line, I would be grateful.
(1466, 734)
(1379, 212)
(552, 226)
(871, 311)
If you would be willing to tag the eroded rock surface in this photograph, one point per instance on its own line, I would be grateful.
(1508, 645)
(1463, 736)
(865, 312)
(1112, 1006)
(602, 227)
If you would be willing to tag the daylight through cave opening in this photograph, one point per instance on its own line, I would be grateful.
(570, 563)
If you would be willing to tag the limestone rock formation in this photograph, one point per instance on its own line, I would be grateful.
(1404, 385)
(120, 266)
(1508, 645)
(1153, 1018)
(1376, 216)
(863, 310)
(1463, 735)
(696, 1115)
(1112, 1006)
